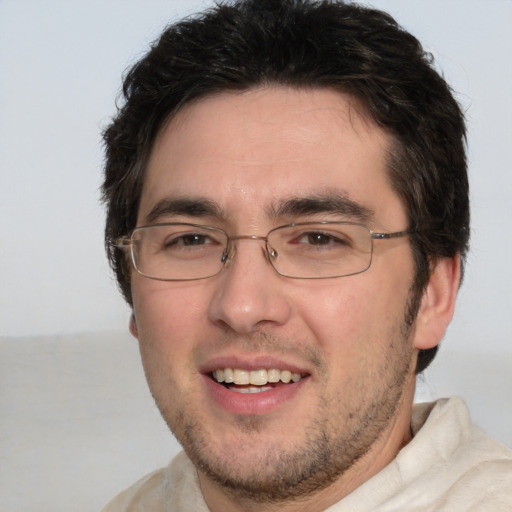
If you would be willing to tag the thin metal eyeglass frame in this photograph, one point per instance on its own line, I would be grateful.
(228, 253)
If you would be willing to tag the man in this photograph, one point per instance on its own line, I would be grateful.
(288, 217)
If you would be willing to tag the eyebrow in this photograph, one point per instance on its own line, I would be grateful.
(332, 203)
(192, 207)
(322, 203)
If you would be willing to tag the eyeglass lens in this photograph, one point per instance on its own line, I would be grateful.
(307, 251)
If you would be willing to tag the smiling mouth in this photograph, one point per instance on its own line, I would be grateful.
(254, 381)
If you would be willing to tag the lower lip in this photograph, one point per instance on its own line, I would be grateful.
(263, 402)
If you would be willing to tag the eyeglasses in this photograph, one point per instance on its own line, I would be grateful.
(305, 250)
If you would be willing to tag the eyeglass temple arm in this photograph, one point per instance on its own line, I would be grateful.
(385, 236)
(122, 241)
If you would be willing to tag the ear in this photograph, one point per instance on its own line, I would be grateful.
(133, 326)
(437, 303)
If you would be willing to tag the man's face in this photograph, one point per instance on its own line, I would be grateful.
(251, 155)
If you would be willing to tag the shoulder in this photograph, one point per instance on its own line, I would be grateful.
(145, 492)
(174, 487)
(445, 428)
(462, 468)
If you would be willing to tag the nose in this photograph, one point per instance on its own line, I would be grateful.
(249, 294)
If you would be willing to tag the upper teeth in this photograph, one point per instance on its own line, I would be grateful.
(255, 377)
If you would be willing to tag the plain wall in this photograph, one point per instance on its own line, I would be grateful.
(76, 421)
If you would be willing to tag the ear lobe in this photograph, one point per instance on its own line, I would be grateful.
(438, 303)
(133, 326)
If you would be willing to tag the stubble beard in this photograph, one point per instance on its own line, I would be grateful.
(325, 453)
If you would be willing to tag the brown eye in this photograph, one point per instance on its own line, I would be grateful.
(192, 239)
(322, 239)
(319, 239)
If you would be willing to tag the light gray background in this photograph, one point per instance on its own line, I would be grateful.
(76, 421)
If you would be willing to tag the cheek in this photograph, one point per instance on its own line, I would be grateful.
(167, 316)
(168, 321)
(337, 308)
(351, 320)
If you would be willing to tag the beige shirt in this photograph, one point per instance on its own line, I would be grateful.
(449, 466)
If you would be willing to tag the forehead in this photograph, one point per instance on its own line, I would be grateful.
(246, 152)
